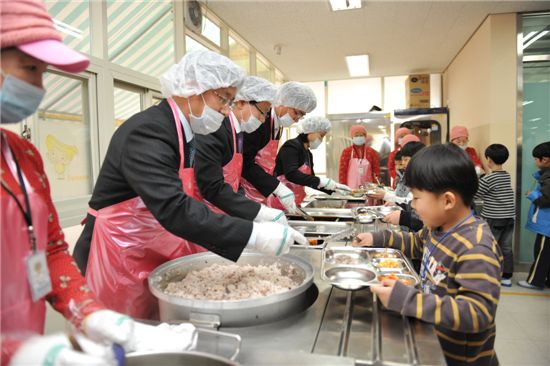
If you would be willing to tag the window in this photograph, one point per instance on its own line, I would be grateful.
(211, 31)
(279, 77)
(239, 53)
(141, 35)
(72, 20)
(127, 103)
(63, 136)
(192, 45)
(262, 69)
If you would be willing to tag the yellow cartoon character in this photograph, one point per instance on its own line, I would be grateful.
(59, 154)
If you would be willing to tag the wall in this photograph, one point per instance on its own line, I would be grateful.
(480, 86)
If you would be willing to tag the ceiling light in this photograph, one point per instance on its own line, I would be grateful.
(358, 65)
(535, 38)
(337, 5)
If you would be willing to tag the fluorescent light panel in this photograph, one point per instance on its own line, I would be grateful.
(358, 65)
(337, 5)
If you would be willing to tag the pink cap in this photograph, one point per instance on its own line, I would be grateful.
(25, 24)
(357, 128)
(409, 138)
(400, 132)
(458, 131)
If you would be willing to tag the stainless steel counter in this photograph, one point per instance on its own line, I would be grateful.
(340, 328)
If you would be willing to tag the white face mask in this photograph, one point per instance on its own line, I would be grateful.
(463, 147)
(286, 120)
(252, 124)
(359, 140)
(209, 122)
(315, 144)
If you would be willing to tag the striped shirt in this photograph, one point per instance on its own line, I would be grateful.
(495, 190)
(463, 280)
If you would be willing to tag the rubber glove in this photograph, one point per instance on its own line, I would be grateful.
(56, 349)
(164, 337)
(286, 196)
(107, 326)
(327, 184)
(342, 188)
(271, 214)
(275, 239)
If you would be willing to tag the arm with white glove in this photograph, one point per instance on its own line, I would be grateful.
(286, 196)
(274, 239)
(331, 185)
(270, 215)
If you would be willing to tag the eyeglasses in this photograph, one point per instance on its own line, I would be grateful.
(298, 113)
(224, 101)
(264, 114)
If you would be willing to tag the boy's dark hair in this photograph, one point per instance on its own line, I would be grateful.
(542, 150)
(412, 148)
(398, 156)
(440, 168)
(497, 152)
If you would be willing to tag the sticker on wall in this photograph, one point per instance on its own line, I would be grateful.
(60, 155)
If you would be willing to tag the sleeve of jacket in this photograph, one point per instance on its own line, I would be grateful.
(474, 157)
(152, 173)
(252, 172)
(484, 187)
(391, 166)
(374, 160)
(543, 200)
(210, 179)
(474, 306)
(289, 156)
(411, 244)
(344, 165)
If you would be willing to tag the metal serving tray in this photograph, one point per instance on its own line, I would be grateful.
(323, 204)
(317, 230)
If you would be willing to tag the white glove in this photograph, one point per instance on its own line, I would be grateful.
(271, 214)
(479, 170)
(56, 349)
(327, 183)
(110, 326)
(286, 196)
(164, 337)
(342, 188)
(275, 239)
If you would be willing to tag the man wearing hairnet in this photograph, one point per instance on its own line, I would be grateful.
(292, 102)
(144, 209)
(294, 164)
(218, 164)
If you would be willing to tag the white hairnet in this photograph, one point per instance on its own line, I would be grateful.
(313, 124)
(296, 95)
(198, 72)
(256, 89)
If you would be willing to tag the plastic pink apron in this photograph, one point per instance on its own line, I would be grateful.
(128, 243)
(299, 190)
(265, 158)
(19, 311)
(231, 171)
(359, 170)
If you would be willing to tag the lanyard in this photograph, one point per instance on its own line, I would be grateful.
(430, 251)
(26, 214)
(364, 153)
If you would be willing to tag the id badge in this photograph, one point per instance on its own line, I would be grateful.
(361, 171)
(38, 275)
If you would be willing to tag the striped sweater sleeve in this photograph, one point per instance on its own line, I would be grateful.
(471, 307)
(411, 243)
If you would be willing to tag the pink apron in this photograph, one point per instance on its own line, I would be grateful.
(128, 243)
(266, 160)
(231, 171)
(359, 170)
(19, 312)
(299, 190)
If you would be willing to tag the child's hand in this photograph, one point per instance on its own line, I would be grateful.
(378, 194)
(389, 203)
(362, 240)
(528, 193)
(393, 218)
(384, 292)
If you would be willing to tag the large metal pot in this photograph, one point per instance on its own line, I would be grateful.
(232, 313)
(176, 358)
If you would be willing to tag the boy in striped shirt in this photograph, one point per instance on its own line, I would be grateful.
(498, 210)
(461, 260)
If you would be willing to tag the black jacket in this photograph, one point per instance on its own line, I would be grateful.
(290, 158)
(214, 151)
(143, 160)
(544, 181)
(254, 142)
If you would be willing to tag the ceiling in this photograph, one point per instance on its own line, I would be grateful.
(400, 37)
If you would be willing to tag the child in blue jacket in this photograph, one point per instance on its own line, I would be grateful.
(538, 220)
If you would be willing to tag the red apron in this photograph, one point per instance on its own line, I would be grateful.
(19, 312)
(128, 243)
(359, 170)
(265, 158)
(299, 190)
(231, 171)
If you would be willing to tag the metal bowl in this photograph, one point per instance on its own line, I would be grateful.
(176, 358)
(232, 313)
(349, 278)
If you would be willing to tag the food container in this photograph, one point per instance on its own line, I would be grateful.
(346, 256)
(347, 267)
(349, 278)
(233, 313)
(389, 265)
(383, 253)
(176, 358)
(406, 279)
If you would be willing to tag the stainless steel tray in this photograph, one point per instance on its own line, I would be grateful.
(330, 212)
(319, 227)
(324, 204)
